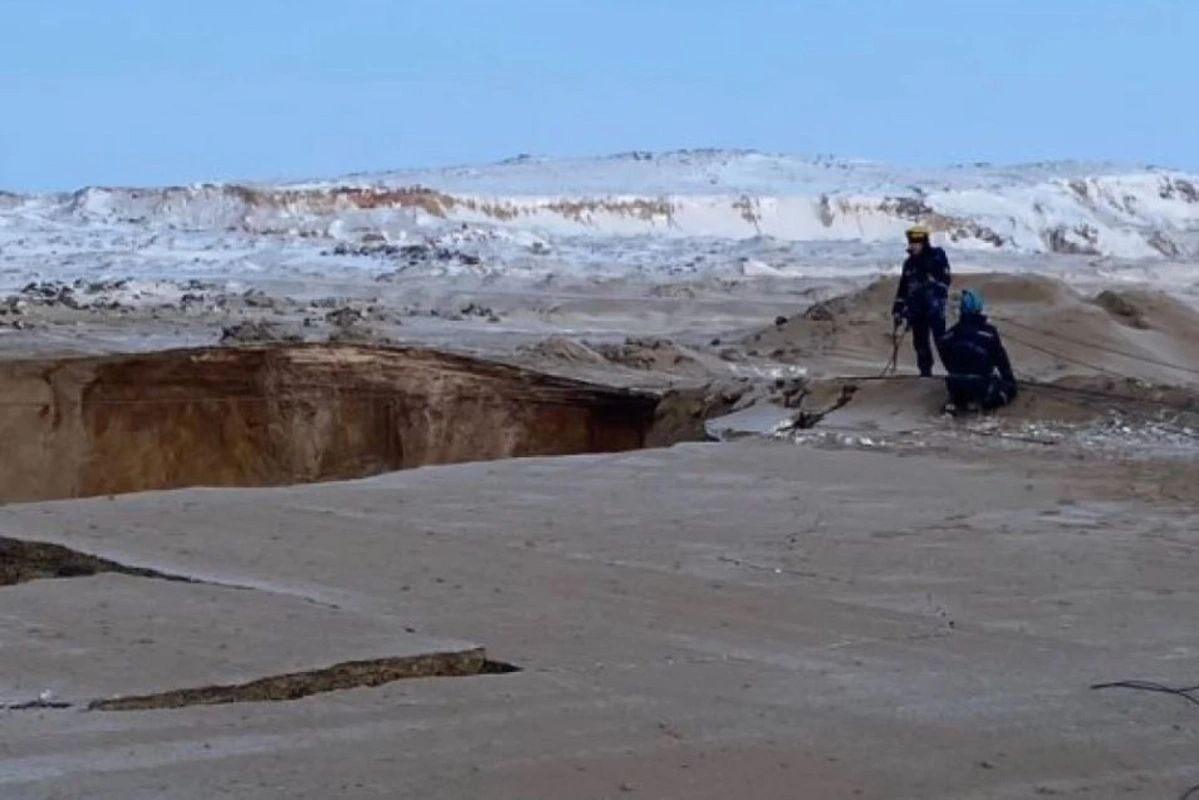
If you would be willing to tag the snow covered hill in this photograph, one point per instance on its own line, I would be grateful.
(1106, 210)
(654, 213)
(1056, 208)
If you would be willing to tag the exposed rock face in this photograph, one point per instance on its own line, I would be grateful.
(287, 414)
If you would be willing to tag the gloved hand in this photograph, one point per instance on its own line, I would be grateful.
(898, 317)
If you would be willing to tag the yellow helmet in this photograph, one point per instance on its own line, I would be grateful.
(918, 233)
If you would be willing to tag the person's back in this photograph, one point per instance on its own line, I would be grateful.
(980, 373)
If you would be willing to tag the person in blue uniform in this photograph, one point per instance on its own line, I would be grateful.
(980, 373)
(922, 296)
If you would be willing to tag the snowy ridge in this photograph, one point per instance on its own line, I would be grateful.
(1076, 208)
(1126, 213)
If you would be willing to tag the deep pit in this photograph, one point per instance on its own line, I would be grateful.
(268, 416)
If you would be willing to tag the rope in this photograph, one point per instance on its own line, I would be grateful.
(1060, 357)
(1185, 692)
(1110, 397)
(1098, 348)
(897, 337)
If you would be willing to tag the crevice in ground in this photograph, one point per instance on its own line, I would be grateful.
(816, 403)
(37, 705)
(23, 561)
(297, 685)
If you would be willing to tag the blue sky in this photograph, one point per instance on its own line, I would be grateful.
(156, 91)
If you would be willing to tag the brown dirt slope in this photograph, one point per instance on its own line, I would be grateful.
(290, 414)
(1050, 330)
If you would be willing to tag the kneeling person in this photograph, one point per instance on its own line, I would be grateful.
(980, 374)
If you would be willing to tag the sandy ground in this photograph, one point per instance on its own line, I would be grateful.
(81, 640)
(725, 337)
(751, 618)
(717, 326)
(866, 601)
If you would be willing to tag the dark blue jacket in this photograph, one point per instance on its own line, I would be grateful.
(923, 284)
(973, 348)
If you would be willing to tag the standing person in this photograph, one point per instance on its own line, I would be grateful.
(922, 295)
(980, 373)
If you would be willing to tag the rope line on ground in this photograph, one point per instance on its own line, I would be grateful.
(1099, 348)
(1061, 357)
(1185, 692)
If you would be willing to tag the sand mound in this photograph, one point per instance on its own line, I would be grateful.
(257, 332)
(1012, 292)
(1122, 308)
(358, 334)
(654, 355)
(862, 305)
(852, 325)
(561, 349)
(1145, 310)
(640, 354)
(1051, 331)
